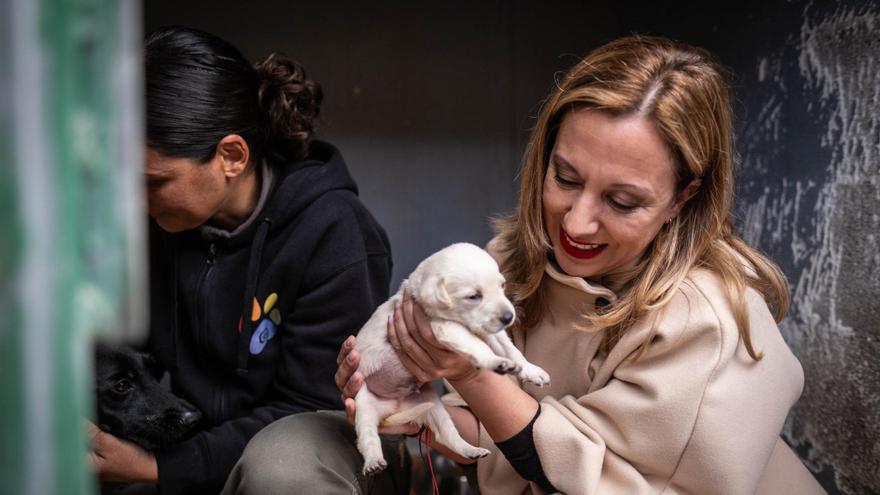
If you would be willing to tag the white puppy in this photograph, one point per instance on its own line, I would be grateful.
(462, 292)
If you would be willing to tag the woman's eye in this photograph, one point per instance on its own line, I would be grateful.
(156, 183)
(122, 386)
(475, 297)
(562, 181)
(621, 206)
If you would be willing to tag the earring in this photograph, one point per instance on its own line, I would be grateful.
(669, 220)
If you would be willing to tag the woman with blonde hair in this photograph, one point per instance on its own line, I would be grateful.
(656, 323)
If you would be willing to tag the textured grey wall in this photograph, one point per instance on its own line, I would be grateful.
(807, 86)
(431, 105)
(811, 154)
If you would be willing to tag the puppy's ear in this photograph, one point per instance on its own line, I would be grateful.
(432, 292)
(152, 365)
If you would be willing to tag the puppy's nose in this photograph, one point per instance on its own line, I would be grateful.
(189, 418)
(506, 318)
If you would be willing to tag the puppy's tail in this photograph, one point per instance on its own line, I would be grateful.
(407, 415)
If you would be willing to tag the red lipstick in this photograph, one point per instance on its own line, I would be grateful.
(583, 254)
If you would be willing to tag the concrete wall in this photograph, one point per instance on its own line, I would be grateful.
(807, 86)
(431, 106)
(811, 198)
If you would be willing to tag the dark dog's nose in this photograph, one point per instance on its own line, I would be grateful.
(183, 417)
(189, 418)
(506, 318)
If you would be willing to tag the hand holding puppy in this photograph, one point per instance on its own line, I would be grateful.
(114, 459)
(457, 329)
(411, 336)
(349, 381)
(418, 349)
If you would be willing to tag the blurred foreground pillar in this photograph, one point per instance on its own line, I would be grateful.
(71, 225)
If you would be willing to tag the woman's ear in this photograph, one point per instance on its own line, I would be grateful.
(234, 154)
(686, 194)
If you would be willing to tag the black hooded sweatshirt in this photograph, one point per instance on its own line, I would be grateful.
(249, 322)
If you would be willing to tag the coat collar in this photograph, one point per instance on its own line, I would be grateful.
(589, 287)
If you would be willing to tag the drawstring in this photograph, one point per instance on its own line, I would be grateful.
(250, 293)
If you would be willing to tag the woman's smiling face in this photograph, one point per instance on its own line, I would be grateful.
(610, 186)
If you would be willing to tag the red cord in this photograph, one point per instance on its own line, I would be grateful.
(435, 487)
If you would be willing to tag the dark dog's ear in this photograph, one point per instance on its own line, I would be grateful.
(152, 365)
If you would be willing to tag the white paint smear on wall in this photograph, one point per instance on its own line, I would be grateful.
(827, 229)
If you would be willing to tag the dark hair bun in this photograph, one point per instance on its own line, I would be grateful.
(292, 102)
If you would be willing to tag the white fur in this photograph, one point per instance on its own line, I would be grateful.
(444, 285)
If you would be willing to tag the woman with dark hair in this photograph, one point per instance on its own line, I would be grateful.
(262, 260)
(655, 321)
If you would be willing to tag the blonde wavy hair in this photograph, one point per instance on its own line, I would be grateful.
(684, 93)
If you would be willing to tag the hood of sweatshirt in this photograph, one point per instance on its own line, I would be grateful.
(286, 189)
(292, 187)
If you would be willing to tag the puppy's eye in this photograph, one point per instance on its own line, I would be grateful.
(476, 296)
(122, 386)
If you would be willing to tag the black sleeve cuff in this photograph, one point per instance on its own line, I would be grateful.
(520, 452)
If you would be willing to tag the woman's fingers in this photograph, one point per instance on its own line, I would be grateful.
(403, 332)
(344, 362)
(417, 370)
(419, 350)
(349, 410)
(346, 347)
(348, 379)
(422, 332)
(418, 322)
(406, 308)
(92, 430)
(346, 369)
(351, 387)
(413, 357)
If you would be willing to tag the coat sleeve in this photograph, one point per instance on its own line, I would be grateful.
(332, 304)
(694, 414)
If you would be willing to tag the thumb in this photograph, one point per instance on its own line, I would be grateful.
(92, 431)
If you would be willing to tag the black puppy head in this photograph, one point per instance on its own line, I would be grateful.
(131, 403)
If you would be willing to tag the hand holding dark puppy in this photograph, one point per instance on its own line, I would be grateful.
(117, 460)
(132, 404)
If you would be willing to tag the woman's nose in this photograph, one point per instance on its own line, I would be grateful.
(582, 219)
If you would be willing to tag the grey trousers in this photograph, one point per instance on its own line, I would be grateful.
(315, 453)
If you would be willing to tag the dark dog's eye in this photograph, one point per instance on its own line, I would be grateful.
(122, 386)
(475, 297)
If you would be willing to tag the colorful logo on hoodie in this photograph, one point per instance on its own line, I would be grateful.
(269, 317)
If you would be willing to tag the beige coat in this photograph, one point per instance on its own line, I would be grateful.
(695, 414)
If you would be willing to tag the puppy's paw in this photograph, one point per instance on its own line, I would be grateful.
(373, 466)
(503, 366)
(534, 374)
(477, 453)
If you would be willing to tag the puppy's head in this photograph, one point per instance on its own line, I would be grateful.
(132, 405)
(462, 283)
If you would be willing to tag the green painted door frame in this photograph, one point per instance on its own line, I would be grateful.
(72, 244)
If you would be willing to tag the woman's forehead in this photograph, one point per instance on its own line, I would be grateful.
(161, 166)
(628, 151)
